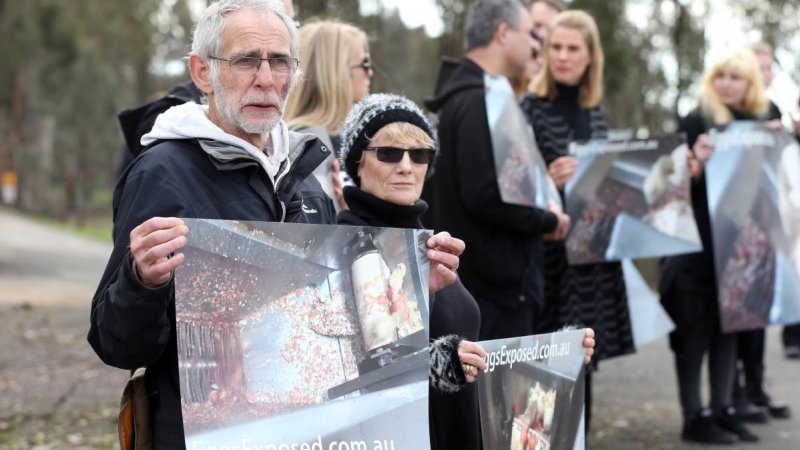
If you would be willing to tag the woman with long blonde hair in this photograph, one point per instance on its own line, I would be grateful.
(563, 106)
(731, 89)
(336, 71)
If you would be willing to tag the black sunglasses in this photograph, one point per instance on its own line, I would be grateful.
(395, 155)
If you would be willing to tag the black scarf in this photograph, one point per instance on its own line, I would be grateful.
(368, 210)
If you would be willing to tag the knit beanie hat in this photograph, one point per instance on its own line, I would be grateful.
(370, 115)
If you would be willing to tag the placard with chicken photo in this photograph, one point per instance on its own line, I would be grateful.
(753, 186)
(531, 392)
(630, 199)
(522, 175)
(282, 327)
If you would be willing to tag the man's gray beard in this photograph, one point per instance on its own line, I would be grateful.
(231, 113)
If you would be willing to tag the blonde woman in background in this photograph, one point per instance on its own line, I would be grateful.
(336, 71)
(732, 89)
(564, 105)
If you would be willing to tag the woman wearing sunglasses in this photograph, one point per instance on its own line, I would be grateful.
(387, 150)
(336, 68)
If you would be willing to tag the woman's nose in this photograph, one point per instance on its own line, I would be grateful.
(405, 162)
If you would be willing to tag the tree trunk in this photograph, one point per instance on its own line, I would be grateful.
(18, 135)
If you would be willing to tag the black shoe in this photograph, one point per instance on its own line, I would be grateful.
(729, 421)
(704, 429)
(778, 410)
(752, 413)
(792, 351)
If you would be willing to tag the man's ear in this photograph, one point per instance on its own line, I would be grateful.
(501, 33)
(200, 70)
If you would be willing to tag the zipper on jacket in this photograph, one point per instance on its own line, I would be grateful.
(283, 209)
(280, 177)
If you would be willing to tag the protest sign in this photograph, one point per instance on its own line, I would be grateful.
(303, 337)
(522, 175)
(630, 199)
(532, 392)
(649, 320)
(753, 186)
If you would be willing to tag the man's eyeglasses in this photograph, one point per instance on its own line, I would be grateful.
(366, 64)
(280, 65)
(535, 36)
(395, 155)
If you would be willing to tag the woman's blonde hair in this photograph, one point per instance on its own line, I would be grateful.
(544, 85)
(324, 94)
(743, 62)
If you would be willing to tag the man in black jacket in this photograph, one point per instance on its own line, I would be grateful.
(231, 159)
(502, 267)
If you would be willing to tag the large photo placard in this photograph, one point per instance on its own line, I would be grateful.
(521, 171)
(532, 392)
(753, 185)
(630, 199)
(296, 336)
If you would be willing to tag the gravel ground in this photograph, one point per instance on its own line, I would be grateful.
(54, 392)
(636, 402)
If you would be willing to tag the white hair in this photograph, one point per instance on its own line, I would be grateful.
(207, 39)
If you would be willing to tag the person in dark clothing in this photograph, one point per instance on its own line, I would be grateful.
(563, 107)
(221, 161)
(502, 269)
(752, 402)
(731, 90)
(791, 341)
(387, 149)
(137, 122)
(387, 195)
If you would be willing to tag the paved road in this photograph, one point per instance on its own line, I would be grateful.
(637, 402)
(45, 266)
(55, 393)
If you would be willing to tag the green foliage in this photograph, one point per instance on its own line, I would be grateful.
(69, 66)
(75, 65)
(777, 21)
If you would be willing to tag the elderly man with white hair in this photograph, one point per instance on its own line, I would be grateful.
(231, 158)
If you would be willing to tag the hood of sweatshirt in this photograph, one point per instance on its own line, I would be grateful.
(455, 75)
(137, 122)
(190, 121)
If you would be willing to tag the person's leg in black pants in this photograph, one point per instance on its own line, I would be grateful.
(791, 341)
(749, 375)
(689, 345)
(722, 372)
(751, 353)
(695, 325)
